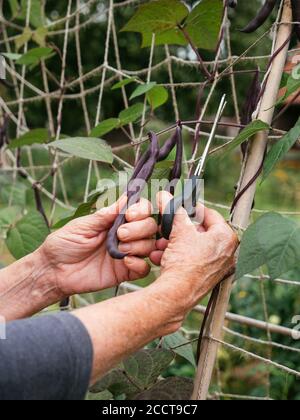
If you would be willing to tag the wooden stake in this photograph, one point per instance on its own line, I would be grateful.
(242, 213)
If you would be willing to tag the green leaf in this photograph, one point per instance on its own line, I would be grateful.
(27, 235)
(185, 350)
(105, 127)
(157, 97)
(123, 83)
(39, 36)
(14, 7)
(272, 240)
(131, 114)
(8, 216)
(36, 14)
(12, 56)
(23, 38)
(147, 365)
(246, 134)
(138, 372)
(157, 16)
(171, 389)
(116, 382)
(142, 90)
(102, 396)
(36, 136)
(280, 149)
(86, 148)
(84, 209)
(171, 37)
(13, 193)
(204, 24)
(34, 56)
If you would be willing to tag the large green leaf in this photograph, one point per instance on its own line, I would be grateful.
(27, 235)
(140, 371)
(171, 389)
(157, 16)
(180, 346)
(157, 97)
(131, 114)
(142, 90)
(273, 241)
(204, 23)
(36, 14)
(147, 365)
(171, 36)
(86, 148)
(8, 216)
(105, 127)
(280, 149)
(253, 128)
(36, 136)
(13, 193)
(34, 56)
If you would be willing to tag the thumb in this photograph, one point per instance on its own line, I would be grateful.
(181, 220)
(104, 218)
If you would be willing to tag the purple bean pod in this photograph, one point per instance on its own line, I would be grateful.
(261, 17)
(134, 190)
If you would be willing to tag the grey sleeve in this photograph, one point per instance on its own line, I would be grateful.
(45, 358)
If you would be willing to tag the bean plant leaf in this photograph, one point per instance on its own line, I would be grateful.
(12, 56)
(171, 389)
(105, 127)
(177, 343)
(8, 216)
(131, 114)
(204, 22)
(147, 365)
(124, 83)
(84, 209)
(157, 97)
(14, 7)
(280, 149)
(171, 36)
(36, 136)
(27, 235)
(157, 16)
(22, 39)
(102, 396)
(39, 36)
(253, 128)
(35, 55)
(86, 148)
(142, 90)
(36, 14)
(274, 241)
(13, 193)
(139, 372)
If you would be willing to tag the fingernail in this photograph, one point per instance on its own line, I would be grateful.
(123, 233)
(125, 247)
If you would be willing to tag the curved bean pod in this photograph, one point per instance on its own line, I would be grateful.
(135, 188)
(261, 17)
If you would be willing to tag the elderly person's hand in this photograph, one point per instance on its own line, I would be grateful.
(197, 257)
(77, 253)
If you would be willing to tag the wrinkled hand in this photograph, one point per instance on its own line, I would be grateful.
(78, 257)
(196, 258)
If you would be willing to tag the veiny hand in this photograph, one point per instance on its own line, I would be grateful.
(197, 257)
(77, 253)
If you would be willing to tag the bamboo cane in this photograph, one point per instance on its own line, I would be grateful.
(242, 213)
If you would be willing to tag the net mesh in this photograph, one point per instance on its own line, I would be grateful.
(266, 355)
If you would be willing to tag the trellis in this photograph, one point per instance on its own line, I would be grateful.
(106, 74)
